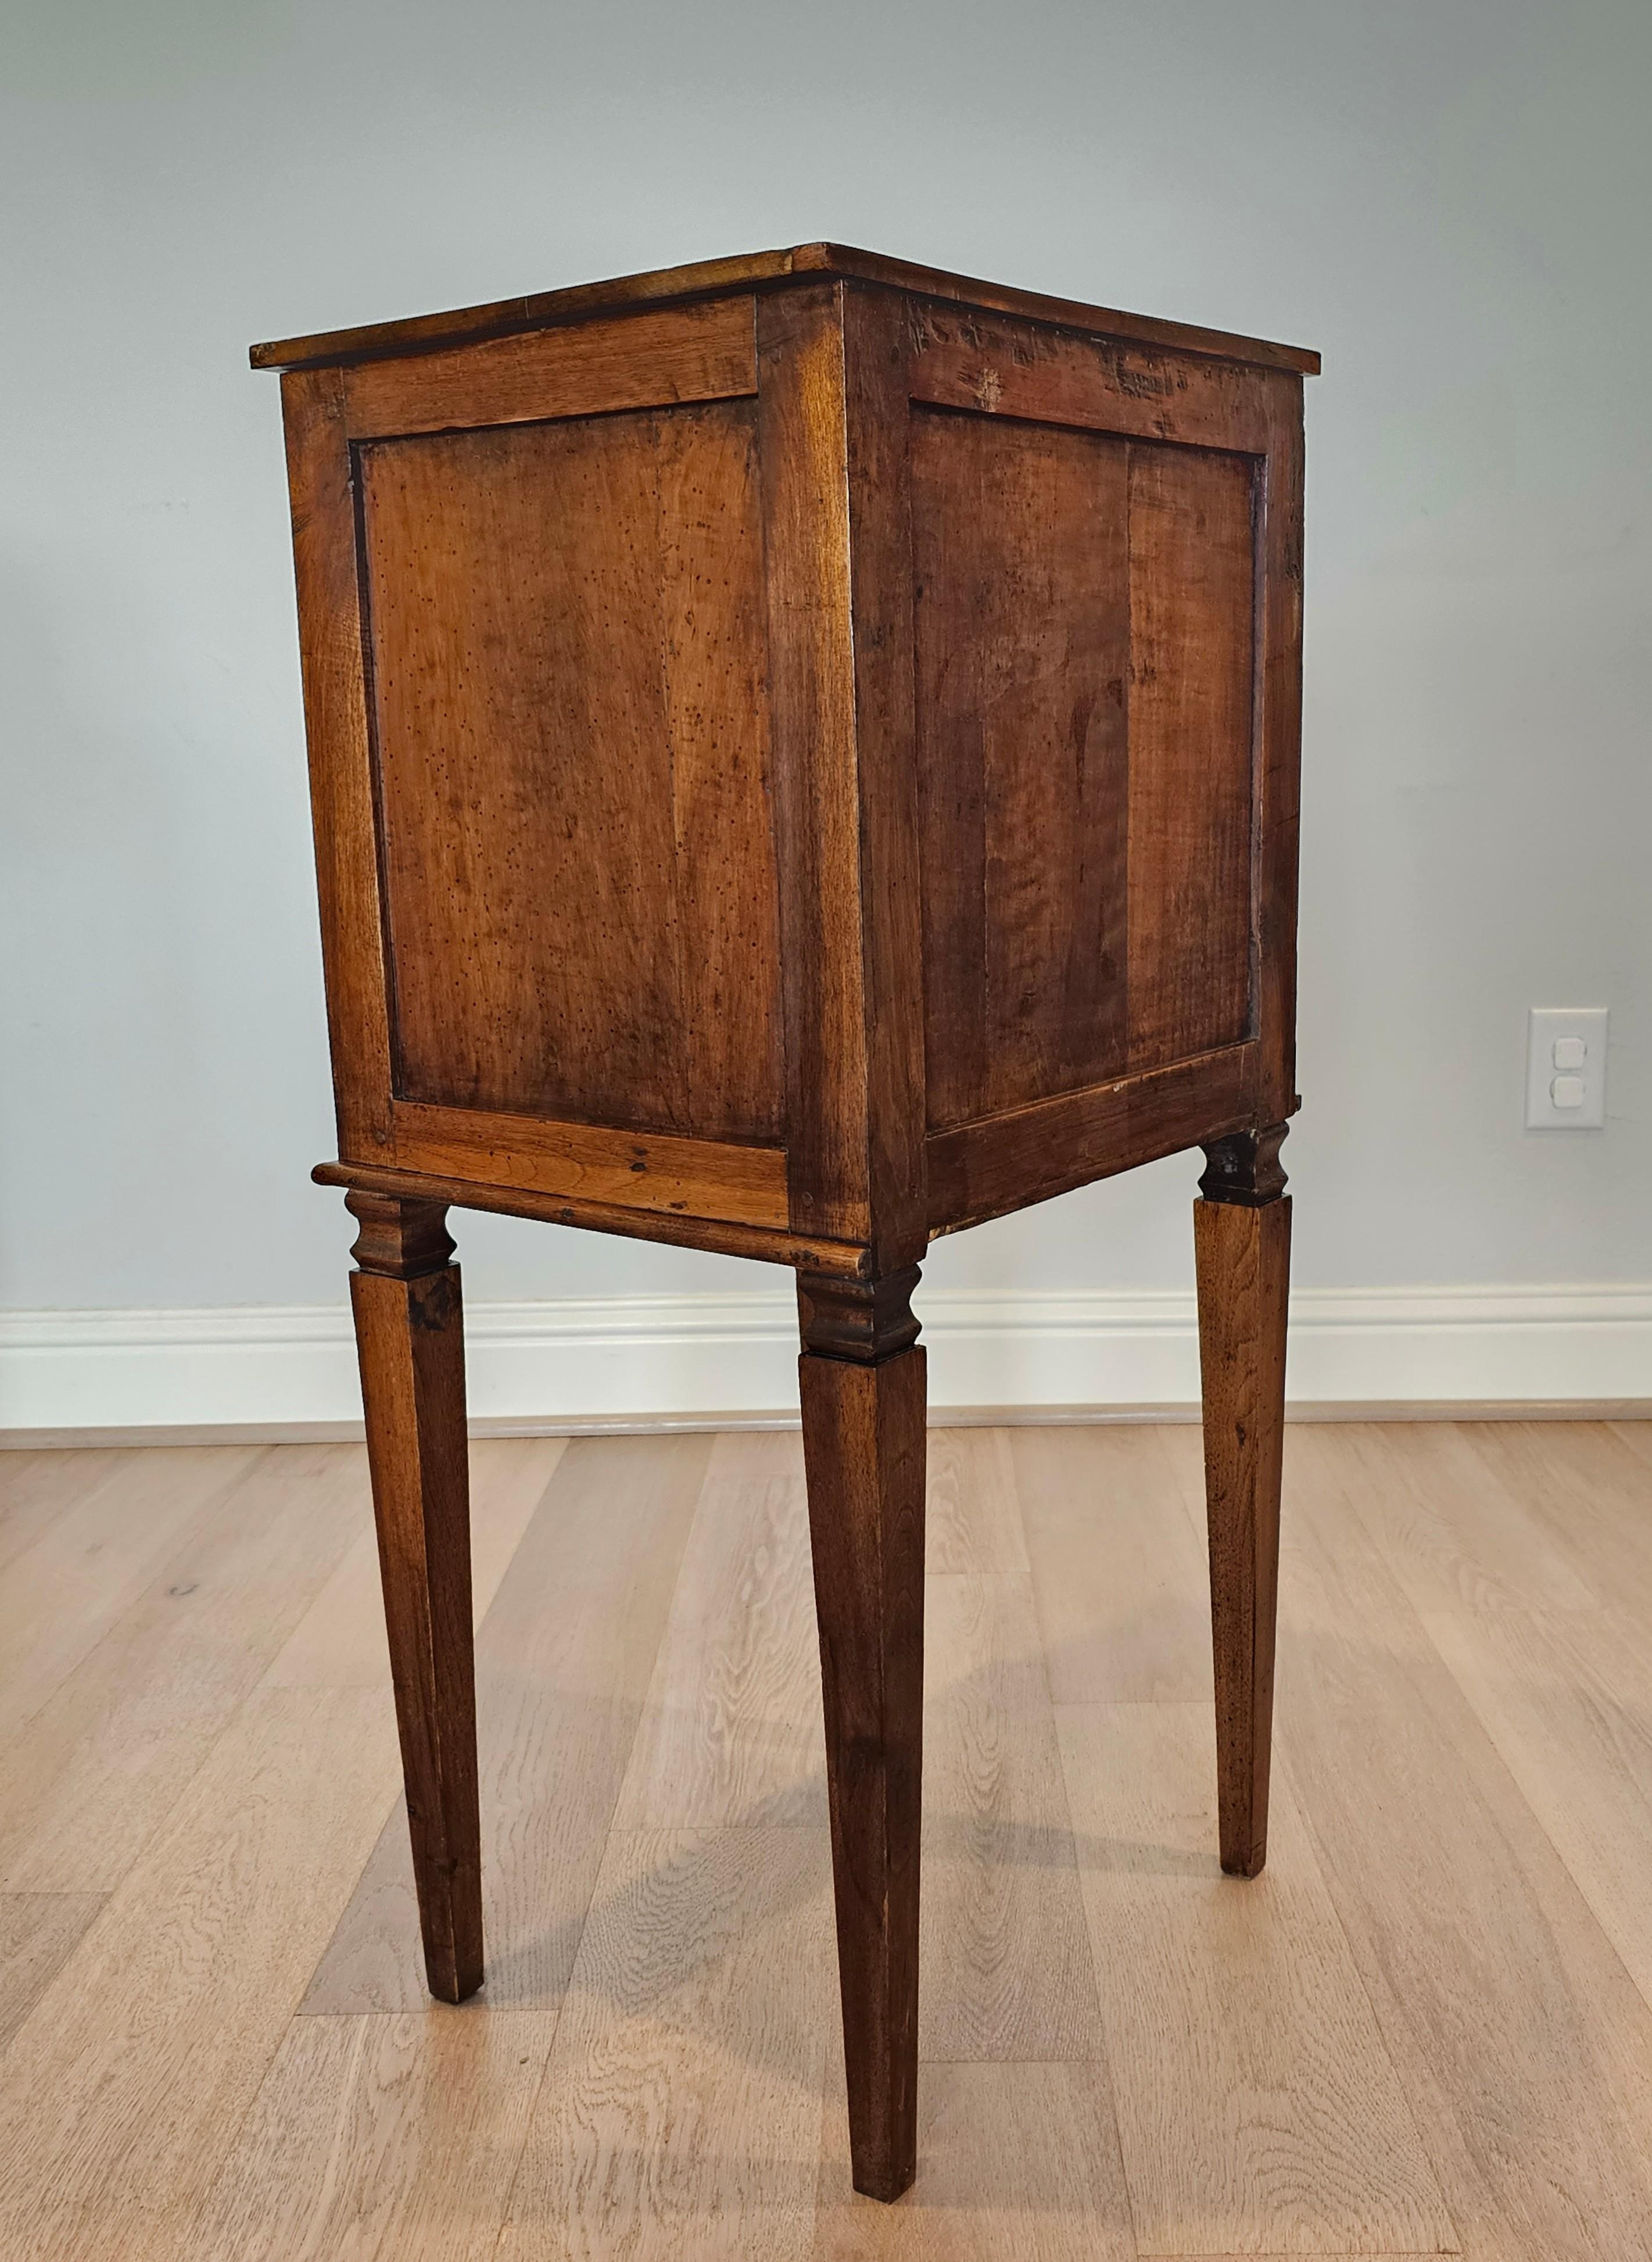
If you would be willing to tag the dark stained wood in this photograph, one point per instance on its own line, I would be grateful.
(651, 361)
(409, 1338)
(803, 436)
(812, 1252)
(881, 605)
(804, 751)
(1191, 793)
(978, 1170)
(832, 411)
(992, 367)
(695, 1177)
(546, 731)
(1279, 718)
(862, 1383)
(341, 759)
(1242, 1248)
(1245, 1168)
(1023, 648)
(764, 269)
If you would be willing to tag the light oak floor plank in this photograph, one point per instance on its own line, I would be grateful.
(386, 2138)
(94, 1559)
(1464, 1823)
(563, 1663)
(1524, 2046)
(731, 1733)
(1016, 2163)
(1587, 1488)
(696, 2015)
(1114, 1521)
(1563, 1688)
(339, 1641)
(966, 1529)
(36, 1488)
(123, 2090)
(38, 1934)
(1005, 1952)
(103, 1760)
(1257, 2107)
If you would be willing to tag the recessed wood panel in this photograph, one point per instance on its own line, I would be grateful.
(566, 623)
(1085, 624)
(1191, 789)
(1023, 613)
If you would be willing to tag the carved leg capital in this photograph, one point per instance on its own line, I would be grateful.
(1245, 1169)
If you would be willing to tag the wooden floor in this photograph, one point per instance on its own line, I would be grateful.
(1426, 2028)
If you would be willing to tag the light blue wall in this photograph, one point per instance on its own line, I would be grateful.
(1452, 202)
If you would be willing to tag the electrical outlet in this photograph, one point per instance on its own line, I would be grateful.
(1566, 1068)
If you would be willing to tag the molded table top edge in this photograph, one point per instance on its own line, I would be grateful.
(715, 277)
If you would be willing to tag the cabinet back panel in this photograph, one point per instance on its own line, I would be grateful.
(568, 689)
(1084, 625)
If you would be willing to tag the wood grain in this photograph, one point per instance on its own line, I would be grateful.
(1019, 554)
(1112, 1520)
(654, 1170)
(121, 2092)
(971, 1522)
(1007, 1970)
(405, 1299)
(1017, 2164)
(1279, 781)
(644, 361)
(1522, 2042)
(730, 1733)
(38, 1932)
(697, 2012)
(984, 1170)
(1587, 1491)
(555, 945)
(863, 1443)
(321, 481)
(101, 1764)
(1243, 1257)
(40, 1486)
(742, 272)
(560, 1693)
(339, 1641)
(1276, 2123)
(1192, 786)
(766, 1246)
(93, 1560)
(802, 440)
(1558, 1677)
(1462, 1741)
(372, 2137)
(995, 367)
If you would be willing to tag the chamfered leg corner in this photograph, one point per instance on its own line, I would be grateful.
(410, 1341)
(863, 1387)
(1242, 1253)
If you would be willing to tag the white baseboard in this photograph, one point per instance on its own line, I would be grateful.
(608, 1360)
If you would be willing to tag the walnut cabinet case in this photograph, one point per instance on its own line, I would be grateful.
(804, 757)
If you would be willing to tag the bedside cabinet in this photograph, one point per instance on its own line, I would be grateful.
(804, 757)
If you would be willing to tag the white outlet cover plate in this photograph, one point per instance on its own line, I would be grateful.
(1545, 1026)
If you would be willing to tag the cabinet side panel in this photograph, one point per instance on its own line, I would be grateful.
(1191, 772)
(574, 805)
(1020, 539)
(341, 759)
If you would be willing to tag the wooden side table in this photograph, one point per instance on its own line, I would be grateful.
(804, 756)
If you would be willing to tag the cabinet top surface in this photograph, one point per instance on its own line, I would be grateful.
(754, 270)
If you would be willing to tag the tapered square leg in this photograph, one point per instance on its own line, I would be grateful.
(410, 1340)
(1242, 1248)
(863, 1387)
